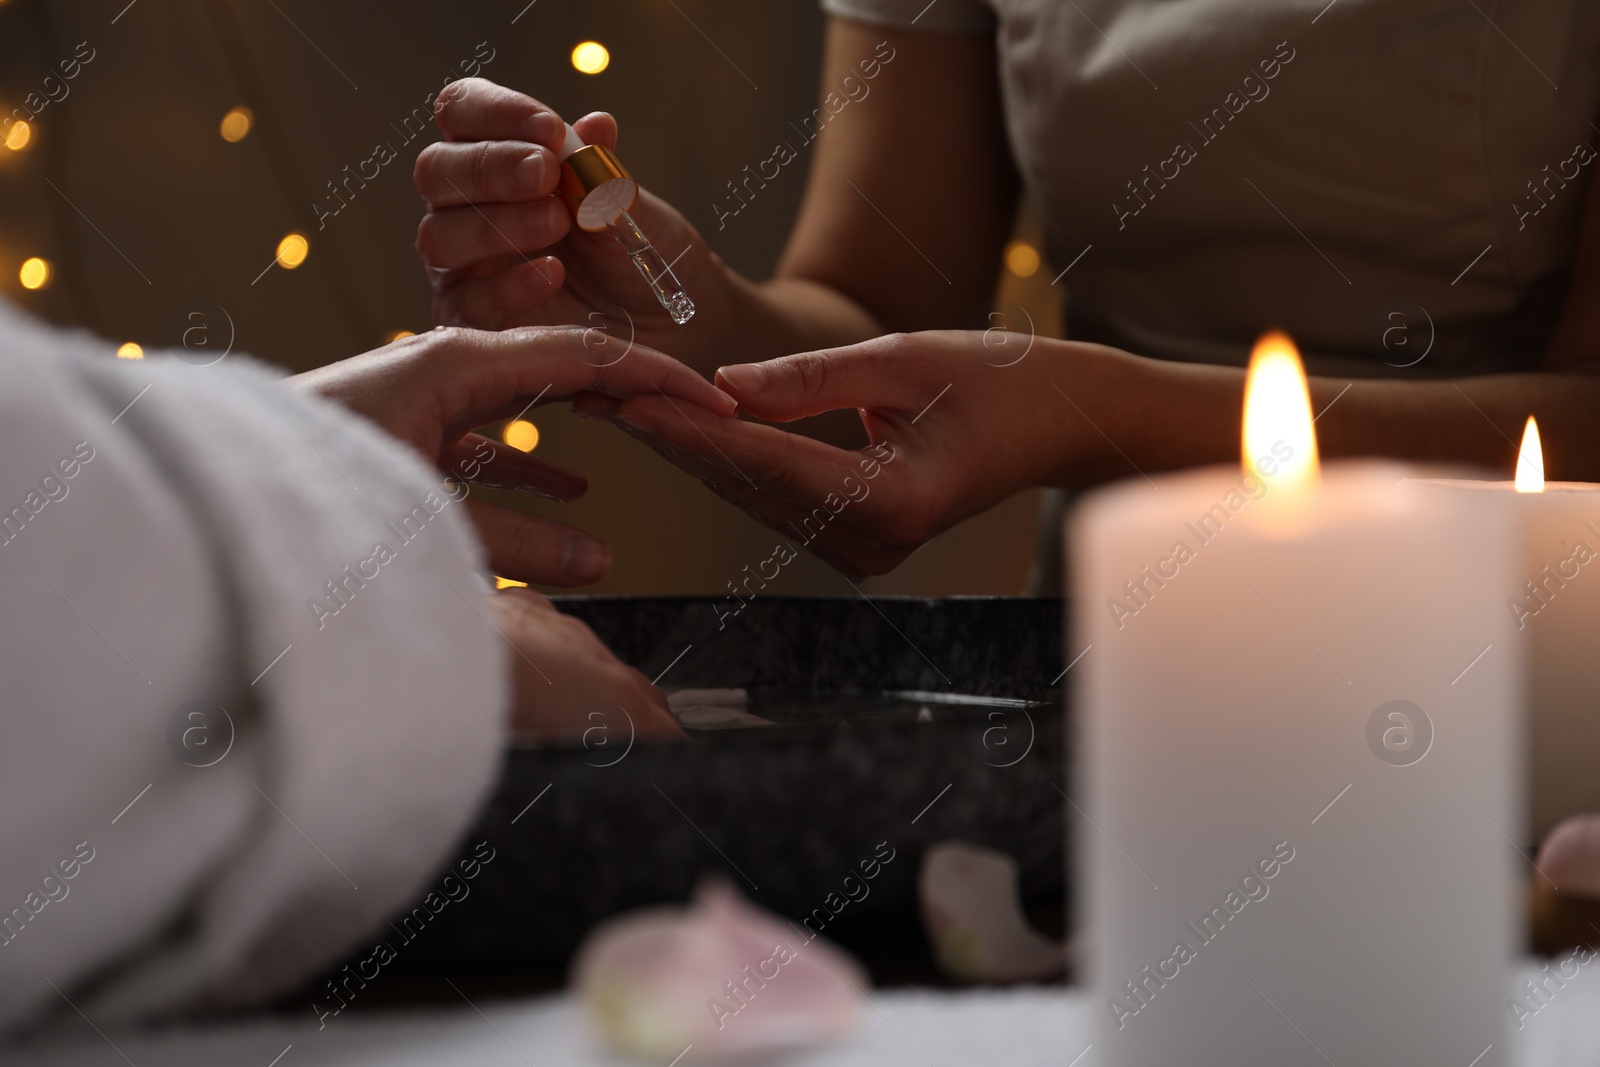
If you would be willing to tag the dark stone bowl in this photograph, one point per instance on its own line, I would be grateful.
(785, 812)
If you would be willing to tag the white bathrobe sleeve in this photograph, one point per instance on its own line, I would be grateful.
(172, 533)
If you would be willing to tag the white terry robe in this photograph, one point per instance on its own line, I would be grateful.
(207, 510)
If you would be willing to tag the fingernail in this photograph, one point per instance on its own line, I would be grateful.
(585, 559)
(745, 377)
(540, 278)
(546, 128)
(530, 172)
(540, 491)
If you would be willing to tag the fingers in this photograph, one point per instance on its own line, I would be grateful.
(476, 109)
(827, 499)
(529, 548)
(532, 599)
(873, 374)
(482, 377)
(482, 172)
(595, 405)
(769, 460)
(455, 237)
(478, 460)
(568, 687)
(651, 719)
(494, 300)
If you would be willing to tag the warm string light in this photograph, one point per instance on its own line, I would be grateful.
(130, 350)
(521, 435)
(1279, 434)
(34, 273)
(236, 124)
(18, 136)
(1022, 259)
(1530, 460)
(590, 57)
(292, 251)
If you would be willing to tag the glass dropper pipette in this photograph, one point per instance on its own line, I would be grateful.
(600, 192)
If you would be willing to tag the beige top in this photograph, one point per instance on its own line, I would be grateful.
(1368, 174)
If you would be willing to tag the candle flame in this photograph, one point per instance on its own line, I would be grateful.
(1530, 460)
(1280, 443)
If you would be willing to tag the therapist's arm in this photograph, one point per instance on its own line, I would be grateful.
(967, 424)
(909, 200)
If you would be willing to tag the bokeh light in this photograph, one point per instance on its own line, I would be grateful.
(18, 136)
(508, 583)
(522, 434)
(591, 57)
(292, 251)
(35, 273)
(236, 124)
(1022, 259)
(398, 335)
(130, 350)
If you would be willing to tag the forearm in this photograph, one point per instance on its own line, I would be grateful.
(786, 315)
(871, 252)
(1475, 421)
(1135, 415)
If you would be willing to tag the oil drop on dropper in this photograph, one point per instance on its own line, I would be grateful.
(599, 190)
(654, 269)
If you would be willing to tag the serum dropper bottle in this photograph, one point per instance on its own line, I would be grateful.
(600, 192)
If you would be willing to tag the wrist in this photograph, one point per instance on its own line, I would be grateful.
(1091, 429)
(760, 323)
(1130, 416)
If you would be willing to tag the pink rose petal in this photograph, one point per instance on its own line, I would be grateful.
(1570, 856)
(973, 915)
(720, 975)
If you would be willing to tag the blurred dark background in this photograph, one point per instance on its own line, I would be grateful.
(149, 202)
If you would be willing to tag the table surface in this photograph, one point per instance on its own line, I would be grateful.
(1021, 1027)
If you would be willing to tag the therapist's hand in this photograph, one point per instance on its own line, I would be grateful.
(502, 250)
(955, 427)
(430, 391)
(568, 686)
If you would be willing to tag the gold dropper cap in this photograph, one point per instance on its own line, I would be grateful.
(596, 186)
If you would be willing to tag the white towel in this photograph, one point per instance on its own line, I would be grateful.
(206, 509)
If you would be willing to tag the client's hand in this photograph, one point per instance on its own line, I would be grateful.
(955, 426)
(431, 390)
(502, 249)
(567, 685)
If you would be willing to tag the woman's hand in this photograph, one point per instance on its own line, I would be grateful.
(430, 391)
(502, 249)
(567, 686)
(956, 422)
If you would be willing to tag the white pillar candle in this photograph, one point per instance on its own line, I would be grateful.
(1555, 606)
(1300, 747)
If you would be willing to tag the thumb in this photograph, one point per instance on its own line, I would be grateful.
(809, 383)
(597, 127)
